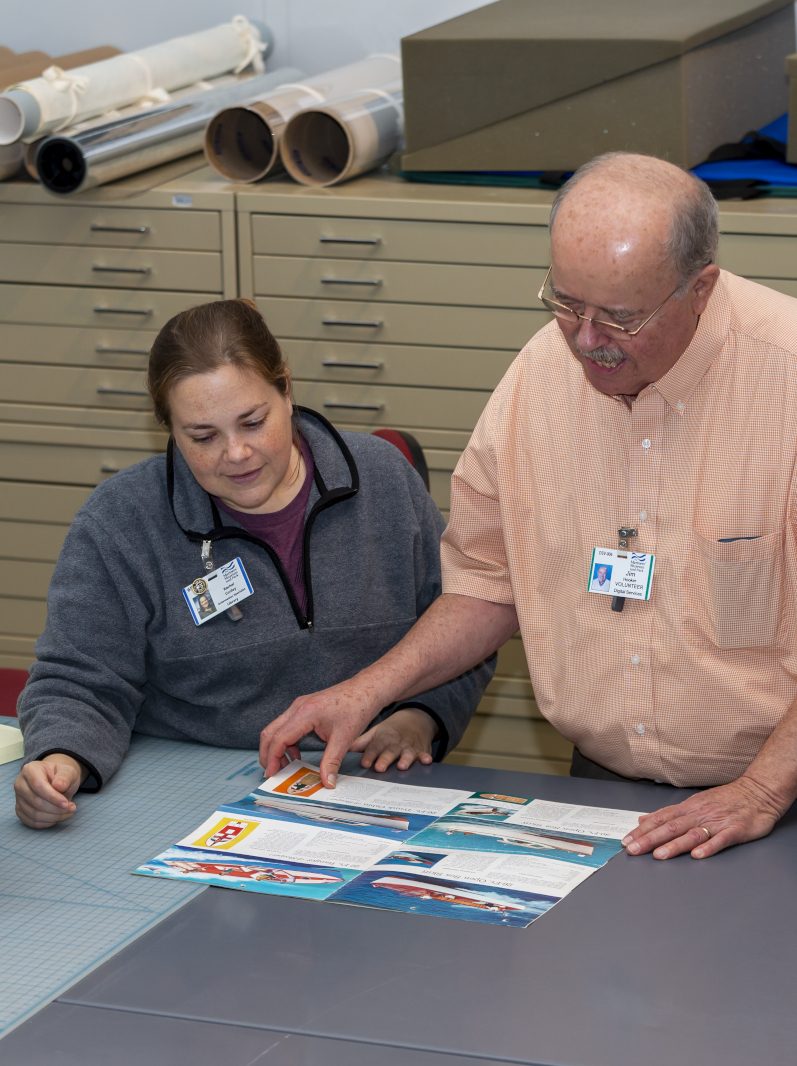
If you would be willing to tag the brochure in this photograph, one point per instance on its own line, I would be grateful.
(478, 856)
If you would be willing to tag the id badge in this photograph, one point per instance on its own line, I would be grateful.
(617, 572)
(216, 592)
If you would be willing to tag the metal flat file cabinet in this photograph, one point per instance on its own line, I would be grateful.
(85, 284)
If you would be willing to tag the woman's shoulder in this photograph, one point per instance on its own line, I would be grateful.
(129, 492)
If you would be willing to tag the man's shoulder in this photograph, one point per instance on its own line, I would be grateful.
(760, 312)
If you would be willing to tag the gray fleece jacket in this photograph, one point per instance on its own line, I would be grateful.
(121, 653)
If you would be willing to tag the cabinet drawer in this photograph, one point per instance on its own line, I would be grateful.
(114, 267)
(74, 386)
(31, 540)
(41, 503)
(115, 348)
(437, 283)
(385, 364)
(466, 327)
(20, 578)
(762, 256)
(368, 405)
(66, 306)
(22, 617)
(110, 226)
(64, 464)
(518, 736)
(415, 241)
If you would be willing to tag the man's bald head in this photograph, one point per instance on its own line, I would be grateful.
(660, 201)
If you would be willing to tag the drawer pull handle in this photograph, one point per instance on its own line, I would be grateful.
(107, 390)
(96, 227)
(145, 312)
(332, 406)
(350, 240)
(341, 365)
(107, 468)
(375, 282)
(351, 322)
(144, 271)
(120, 351)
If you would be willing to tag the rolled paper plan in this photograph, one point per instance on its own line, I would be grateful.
(61, 98)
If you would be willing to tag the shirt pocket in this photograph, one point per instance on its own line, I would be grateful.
(743, 579)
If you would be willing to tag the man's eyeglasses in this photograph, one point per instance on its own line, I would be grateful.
(567, 314)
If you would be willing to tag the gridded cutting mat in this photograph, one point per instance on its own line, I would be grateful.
(67, 897)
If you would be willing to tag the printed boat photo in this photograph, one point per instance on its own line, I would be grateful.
(457, 897)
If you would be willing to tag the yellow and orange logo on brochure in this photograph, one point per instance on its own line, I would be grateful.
(226, 833)
(302, 783)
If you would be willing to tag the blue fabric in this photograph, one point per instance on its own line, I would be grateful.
(769, 171)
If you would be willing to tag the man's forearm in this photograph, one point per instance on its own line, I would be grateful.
(453, 635)
(774, 769)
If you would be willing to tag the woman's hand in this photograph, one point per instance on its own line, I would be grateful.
(402, 738)
(44, 790)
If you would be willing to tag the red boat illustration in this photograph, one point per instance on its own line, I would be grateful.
(458, 897)
(253, 873)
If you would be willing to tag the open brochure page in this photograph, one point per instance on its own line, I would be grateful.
(478, 886)
(298, 780)
(602, 822)
(474, 855)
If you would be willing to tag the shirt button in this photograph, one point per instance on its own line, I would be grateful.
(646, 442)
(680, 405)
(643, 516)
(635, 660)
(639, 729)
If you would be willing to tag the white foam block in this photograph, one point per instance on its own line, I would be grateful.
(10, 743)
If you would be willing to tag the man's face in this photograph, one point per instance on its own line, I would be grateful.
(616, 363)
(611, 266)
(601, 574)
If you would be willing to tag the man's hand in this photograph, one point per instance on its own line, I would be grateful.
(405, 736)
(337, 715)
(707, 822)
(44, 790)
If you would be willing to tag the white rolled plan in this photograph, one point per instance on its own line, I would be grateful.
(61, 98)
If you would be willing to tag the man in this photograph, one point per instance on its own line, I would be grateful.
(661, 400)
(601, 582)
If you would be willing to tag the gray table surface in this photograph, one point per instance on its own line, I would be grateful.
(646, 962)
(67, 898)
(74, 1036)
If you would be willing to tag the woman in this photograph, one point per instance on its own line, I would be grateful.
(317, 549)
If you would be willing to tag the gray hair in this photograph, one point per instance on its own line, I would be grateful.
(694, 233)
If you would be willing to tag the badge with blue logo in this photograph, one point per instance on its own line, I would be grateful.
(216, 592)
(618, 572)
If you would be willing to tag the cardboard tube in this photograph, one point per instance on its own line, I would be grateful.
(10, 160)
(330, 144)
(243, 143)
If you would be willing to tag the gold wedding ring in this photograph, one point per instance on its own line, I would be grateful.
(705, 830)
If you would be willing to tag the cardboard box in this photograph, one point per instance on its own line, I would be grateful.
(548, 84)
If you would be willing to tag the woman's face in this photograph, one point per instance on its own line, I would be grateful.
(234, 430)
